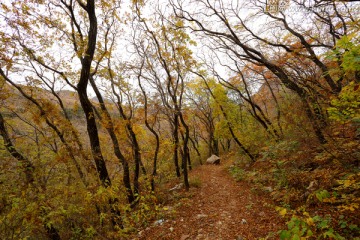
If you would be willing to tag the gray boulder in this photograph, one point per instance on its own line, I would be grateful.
(213, 160)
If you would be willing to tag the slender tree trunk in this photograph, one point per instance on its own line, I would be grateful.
(228, 141)
(223, 146)
(188, 151)
(314, 122)
(154, 173)
(196, 150)
(176, 145)
(216, 147)
(116, 147)
(134, 143)
(137, 158)
(189, 159)
(84, 100)
(278, 112)
(26, 164)
(213, 143)
(185, 152)
(151, 129)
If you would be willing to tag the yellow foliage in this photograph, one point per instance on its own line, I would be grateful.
(310, 221)
(350, 207)
(282, 211)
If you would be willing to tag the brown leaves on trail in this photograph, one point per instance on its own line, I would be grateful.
(220, 208)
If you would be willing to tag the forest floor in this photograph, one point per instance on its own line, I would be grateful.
(218, 208)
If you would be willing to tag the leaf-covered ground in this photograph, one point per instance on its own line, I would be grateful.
(217, 208)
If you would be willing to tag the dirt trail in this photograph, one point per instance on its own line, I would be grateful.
(220, 208)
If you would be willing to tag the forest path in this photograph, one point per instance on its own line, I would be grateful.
(220, 208)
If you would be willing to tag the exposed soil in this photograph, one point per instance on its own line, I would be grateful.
(220, 208)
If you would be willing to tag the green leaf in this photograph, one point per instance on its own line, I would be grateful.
(284, 235)
(296, 237)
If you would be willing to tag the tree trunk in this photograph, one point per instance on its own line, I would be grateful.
(116, 147)
(84, 100)
(185, 152)
(196, 150)
(151, 129)
(176, 145)
(189, 159)
(26, 164)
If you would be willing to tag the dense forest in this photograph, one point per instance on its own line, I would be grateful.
(107, 104)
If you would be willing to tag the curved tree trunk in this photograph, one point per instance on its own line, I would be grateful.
(26, 164)
(152, 130)
(116, 147)
(84, 100)
(196, 150)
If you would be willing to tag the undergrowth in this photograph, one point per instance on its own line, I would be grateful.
(316, 189)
